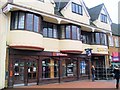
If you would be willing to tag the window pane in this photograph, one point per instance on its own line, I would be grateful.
(64, 68)
(44, 29)
(50, 30)
(84, 39)
(55, 31)
(36, 23)
(80, 9)
(102, 39)
(46, 68)
(78, 33)
(116, 42)
(97, 38)
(29, 21)
(68, 32)
(77, 8)
(71, 67)
(74, 32)
(62, 31)
(105, 39)
(83, 68)
(111, 41)
(21, 20)
(56, 68)
(103, 18)
(73, 7)
(14, 22)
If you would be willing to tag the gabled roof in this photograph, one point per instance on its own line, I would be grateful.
(60, 4)
(115, 29)
(95, 11)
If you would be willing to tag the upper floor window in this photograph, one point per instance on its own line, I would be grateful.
(77, 8)
(70, 32)
(86, 37)
(24, 20)
(99, 38)
(104, 18)
(50, 30)
(111, 43)
(116, 42)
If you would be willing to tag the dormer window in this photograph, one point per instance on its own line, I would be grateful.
(104, 18)
(76, 8)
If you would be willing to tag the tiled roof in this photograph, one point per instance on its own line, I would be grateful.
(115, 29)
(60, 4)
(95, 11)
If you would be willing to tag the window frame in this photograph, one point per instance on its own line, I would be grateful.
(70, 34)
(76, 7)
(100, 38)
(46, 65)
(116, 39)
(69, 64)
(53, 30)
(111, 41)
(12, 26)
(87, 36)
(103, 18)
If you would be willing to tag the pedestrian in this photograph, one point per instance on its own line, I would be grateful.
(116, 75)
(93, 73)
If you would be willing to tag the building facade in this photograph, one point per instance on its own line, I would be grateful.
(114, 45)
(44, 41)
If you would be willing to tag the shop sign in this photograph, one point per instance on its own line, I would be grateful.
(102, 50)
(58, 54)
(115, 56)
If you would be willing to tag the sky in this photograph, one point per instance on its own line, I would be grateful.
(111, 6)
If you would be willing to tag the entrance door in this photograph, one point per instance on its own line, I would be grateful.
(32, 71)
(19, 72)
(25, 71)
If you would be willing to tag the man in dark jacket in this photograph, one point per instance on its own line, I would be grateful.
(117, 72)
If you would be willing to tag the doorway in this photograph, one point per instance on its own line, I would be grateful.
(25, 72)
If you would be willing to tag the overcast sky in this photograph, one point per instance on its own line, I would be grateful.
(111, 6)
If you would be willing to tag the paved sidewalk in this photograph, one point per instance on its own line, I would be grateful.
(77, 84)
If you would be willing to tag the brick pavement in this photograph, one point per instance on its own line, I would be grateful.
(77, 84)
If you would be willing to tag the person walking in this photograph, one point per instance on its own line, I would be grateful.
(93, 73)
(117, 72)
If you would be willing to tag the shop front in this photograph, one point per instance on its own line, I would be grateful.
(115, 59)
(33, 67)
